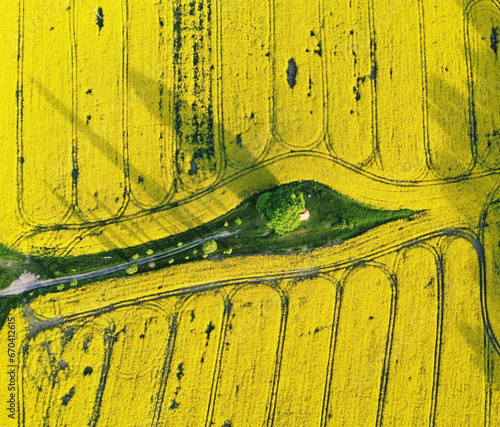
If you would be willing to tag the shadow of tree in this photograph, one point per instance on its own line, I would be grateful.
(477, 340)
(151, 94)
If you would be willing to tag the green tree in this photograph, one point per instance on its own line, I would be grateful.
(281, 209)
(209, 246)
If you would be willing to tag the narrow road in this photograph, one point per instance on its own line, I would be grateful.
(25, 287)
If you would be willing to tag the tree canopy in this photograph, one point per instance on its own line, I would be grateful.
(209, 246)
(281, 209)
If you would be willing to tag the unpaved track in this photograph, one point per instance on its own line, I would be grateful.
(25, 287)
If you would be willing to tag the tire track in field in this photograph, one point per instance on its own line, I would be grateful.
(364, 382)
(110, 337)
(384, 380)
(150, 108)
(165, 372)
(33, 204)
(244, 343)
(195, 356)
(297, 115)
(198, 153)
(245, 121)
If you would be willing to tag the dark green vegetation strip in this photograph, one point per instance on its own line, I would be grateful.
(193, 68)
(333, 219)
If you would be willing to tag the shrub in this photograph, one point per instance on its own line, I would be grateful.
(132, 269)
(209, 246)
(149, 252)
(136, 256)
(228, 251)
(238, 221)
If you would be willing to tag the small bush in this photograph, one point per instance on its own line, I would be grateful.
(132, 269)
(179, 244)
(170, 261)
(60, 287)
(228, 251)
(226, 224)
(73, 283)
(209, 246)
(136, 256)
(149, 252)
(195, 251)
(238, 221)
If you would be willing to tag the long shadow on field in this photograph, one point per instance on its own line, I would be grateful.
(448, 103)
(145, 89)
(482, 96)
(188, 129)
(475, 339)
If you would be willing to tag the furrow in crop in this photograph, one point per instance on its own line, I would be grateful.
(483, 39)
(399, 89)
(360, 349)
(305, 354)
(450, 151)
(193, 362)
(138, 355)
(251, 340)
(462, 366)
(411, 370)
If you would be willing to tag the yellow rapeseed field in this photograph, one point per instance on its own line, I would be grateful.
(392, 338)
(168, 114)
(124, 122)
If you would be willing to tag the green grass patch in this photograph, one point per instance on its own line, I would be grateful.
(333, 219)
